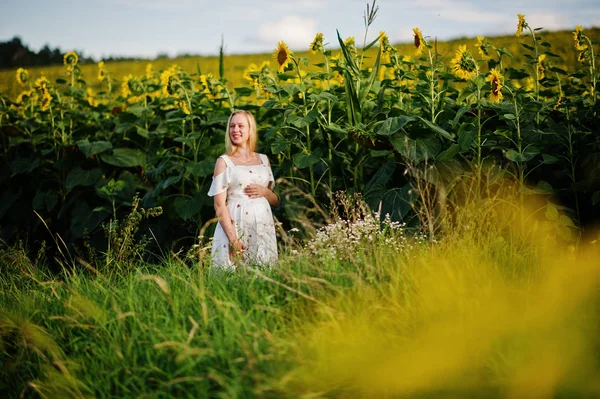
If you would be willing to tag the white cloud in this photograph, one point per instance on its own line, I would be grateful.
(296, 31)
(160, 5)
(546, 21)
(305, 5)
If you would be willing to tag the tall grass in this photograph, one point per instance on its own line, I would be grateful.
(495, 308)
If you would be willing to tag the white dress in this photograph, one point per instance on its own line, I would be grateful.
(251, 217)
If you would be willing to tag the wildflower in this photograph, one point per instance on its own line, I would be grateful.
(317, 45)
(521, 25)
(495, 79)
(482, 48)
(579, 39)
(419, 42)
(541, 69)
(282, 55)
(463, 64)
(101, 71)
(22, 76)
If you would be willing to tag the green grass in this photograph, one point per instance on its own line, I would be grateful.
(493, 308)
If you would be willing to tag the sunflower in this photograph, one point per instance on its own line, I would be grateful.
(317, 45)
(131, 86)
(101, 71)
(541, 69)
(521, 25)
(46, 99)
(581, 57)
(250, 72)
(70, 60)
(463, 64)
(350, 44)
(579, 39)
(41, 83)
(91, 98)
(282, 55)
(22, 76)
(482, 48)
(149, 71)
(265, 67)
(183, 105)
(25, 96)
(419, 42)
(385, 47)
(495, 79)
(168, 79)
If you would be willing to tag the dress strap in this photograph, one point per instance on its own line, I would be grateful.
(228, 161)
(264, 160)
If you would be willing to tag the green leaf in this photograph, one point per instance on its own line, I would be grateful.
(187, 207)
(417, 150)
(45, 199)
(466, 136)
(551, 212)
(596, 197)
(436, 129)
(510, 117)
(564, 220)
(200, 169)
(302, 160)
(125, 157)
(449, 153)
(24, 165)
(143, 132)
(82, 177)
(93, 148)
(549, 159)
(279, 144)
(381, 177)
(243, 91)
(394, 124)
(525, 156)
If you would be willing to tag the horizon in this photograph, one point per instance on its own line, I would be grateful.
(148, 29)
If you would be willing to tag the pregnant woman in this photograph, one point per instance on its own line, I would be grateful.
(242, 188)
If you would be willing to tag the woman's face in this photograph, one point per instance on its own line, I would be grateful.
(239, 131)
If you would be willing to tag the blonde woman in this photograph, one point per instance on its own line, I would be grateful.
(242, 188)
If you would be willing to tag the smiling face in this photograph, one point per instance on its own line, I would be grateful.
(239, 130)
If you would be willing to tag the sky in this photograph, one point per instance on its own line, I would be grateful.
(148, 28)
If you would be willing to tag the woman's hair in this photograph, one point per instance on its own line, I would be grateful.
(231, 148)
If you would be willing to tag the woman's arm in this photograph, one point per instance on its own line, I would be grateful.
(223, 213)
(257, 191)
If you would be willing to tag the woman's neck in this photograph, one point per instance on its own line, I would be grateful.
(243, 152)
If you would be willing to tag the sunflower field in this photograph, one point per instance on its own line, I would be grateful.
(428, 192)
(367, 119)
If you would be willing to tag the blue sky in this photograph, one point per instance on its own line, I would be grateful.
(146, 28)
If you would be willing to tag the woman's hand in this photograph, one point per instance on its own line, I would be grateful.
(255, 190)
(236, 249)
